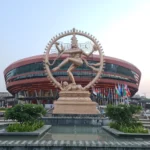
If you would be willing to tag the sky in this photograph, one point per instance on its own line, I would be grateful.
(122, 27)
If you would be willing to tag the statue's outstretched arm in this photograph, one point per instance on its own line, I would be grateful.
(48, 63)
(94, 49)
(57, 47)
(61, 52)
(71, 51)
(97, 64)
(93, 68)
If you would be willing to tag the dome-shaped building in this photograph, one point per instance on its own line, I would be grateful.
(26, 77)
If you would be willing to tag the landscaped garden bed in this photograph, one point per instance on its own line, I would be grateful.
(28, 121)
(27, 117)
(39, 132)
(120, 134)
(123, 123)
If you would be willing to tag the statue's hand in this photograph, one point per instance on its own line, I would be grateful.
(62, 48)
(56, 43)
(95, 48)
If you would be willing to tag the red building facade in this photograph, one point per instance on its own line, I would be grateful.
(27, 77)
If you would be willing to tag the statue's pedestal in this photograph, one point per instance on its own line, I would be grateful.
(74, 102)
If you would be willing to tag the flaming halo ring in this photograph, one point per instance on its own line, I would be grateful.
(68, 33)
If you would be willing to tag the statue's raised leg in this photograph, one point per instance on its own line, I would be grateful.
(75, 61)
(61, 64)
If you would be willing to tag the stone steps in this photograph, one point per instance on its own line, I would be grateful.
(67, 144)
(2, 124)
(146, 125)
(144, 120)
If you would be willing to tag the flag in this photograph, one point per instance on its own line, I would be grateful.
(104, 93)
(111, 94)
(115, 97)
(94, 91)
(99, 94)
(117, 91)
(122, 90)
(119, 88)
(127, 91)
(108, 94)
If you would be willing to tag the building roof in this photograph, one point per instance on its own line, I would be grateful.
(39, 58)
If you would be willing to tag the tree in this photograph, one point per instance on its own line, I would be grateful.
(122, 114)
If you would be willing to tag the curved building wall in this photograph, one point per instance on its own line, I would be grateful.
(28, 74)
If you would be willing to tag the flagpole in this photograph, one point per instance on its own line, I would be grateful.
(104, 95)
(112, 97)
(98, 96)
(115, 97)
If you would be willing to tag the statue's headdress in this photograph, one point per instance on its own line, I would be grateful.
(74, 41)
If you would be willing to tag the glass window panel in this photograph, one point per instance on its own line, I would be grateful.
(34, 67)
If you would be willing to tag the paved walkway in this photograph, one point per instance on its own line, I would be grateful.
(64, 143)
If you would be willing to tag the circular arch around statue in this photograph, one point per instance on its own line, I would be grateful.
(76, 58)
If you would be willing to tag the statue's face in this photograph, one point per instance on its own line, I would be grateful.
(65, 83)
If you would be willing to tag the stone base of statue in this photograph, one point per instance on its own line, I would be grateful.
(74, 102)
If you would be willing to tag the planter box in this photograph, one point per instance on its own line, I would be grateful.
(36, 133)
(124, 135)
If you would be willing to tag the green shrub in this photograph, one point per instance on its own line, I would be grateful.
(122, 114)
(27, 116)
(25, 127)
(114, 125)
(122, 118)
(25, 113)
(134, 128)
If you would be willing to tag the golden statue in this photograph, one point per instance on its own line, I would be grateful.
(75, 58)
(73, 98)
